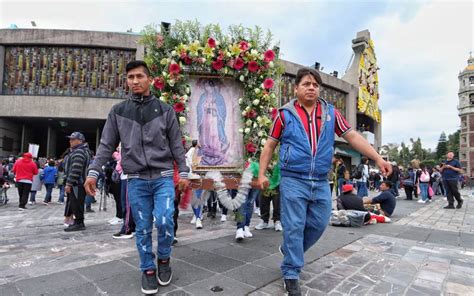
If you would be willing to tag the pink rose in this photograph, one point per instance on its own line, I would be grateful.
(253, 66)
(268, 83)
(159, 83)
(174, 68)
(238, 64)
(217, 65)
(269, 55)
(211, 42)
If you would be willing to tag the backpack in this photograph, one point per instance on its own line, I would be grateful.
(424, 177)
(357, 172)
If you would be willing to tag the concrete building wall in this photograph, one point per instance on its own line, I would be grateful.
(466, 115)
(9, 132)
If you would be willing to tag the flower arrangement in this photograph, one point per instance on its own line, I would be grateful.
(244, 54)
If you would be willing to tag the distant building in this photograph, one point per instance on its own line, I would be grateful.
(466, 113)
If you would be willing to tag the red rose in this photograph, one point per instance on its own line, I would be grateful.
(178, 107)
(274, 113)
(250, 147)
(244, 45)
(268, 83)
(159, 83)
(251, 114)
(269, 55)
(187, 60)
(174, 68)
(253, 66)
(211, 42)
(238, 64)
(217, 65)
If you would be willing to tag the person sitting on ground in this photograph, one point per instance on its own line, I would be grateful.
(386, 199)
(348, 200)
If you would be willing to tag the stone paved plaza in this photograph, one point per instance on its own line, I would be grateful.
(425, 251)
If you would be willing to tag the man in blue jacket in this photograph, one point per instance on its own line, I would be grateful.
(150, 144)
(305, 129)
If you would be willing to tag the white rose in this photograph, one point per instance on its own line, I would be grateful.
(257, 91)
(188, 90)
(244, 113)
(263, 141)
(182, 119)
(241, 101)
(255, 125)
(171, 82)
(271, 64)
(242, 78)
(260, 134)
(247, 130)
(226, 70)
(241, 130)
(254, 52)
(256, 102)
(185, 97)
(248, 122)
(173, 52)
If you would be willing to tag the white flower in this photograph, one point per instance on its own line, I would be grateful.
(263, 141)
(182, 119)
(185, 97)
(271, 64)
(171, 82)
(162, 98)
(244, 113)
(247, 108)
(173, 53)
(188, 90)
(253, 52)
(241, 101)
(241, 130)
(227, 54)
(255, 125)
(247, 130)
(187, 109)
(248, 122)
(226, 70)
(273, 95)
(260, 134)
(242, 78)
(256, 102)
(257, 91)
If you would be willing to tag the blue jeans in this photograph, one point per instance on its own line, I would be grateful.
(61, 193)
(246, 209)
(305, 212)
(396, 185)
(424, 191)
(88, 201)
(152, 201)
(198, 210)
(128, 224)
(362, 189)
(49, 191)
(33, 196)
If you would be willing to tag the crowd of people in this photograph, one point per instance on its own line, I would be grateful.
(149, 184)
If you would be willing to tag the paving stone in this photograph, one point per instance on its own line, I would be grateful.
(343, 270)
(325, 282)
(127, 284)
(466, 278)
(272, 262)
(431, 276)
(349, 287)
(416, 291)
(240, 253)
(185, 274)
(225, 285)
(214, 262)
(105, 270)
(387, 288)
(459, 289)
(253, 275)
(207, 246)
(178, 293)
(427, 284)
(9, 289)
(183, 252)
(87, 289)
(50, 283)
(399, 278)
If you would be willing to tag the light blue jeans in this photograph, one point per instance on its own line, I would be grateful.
(246, 209)
(152, 201)
(305, 212)
(424, 191)
(362, 189)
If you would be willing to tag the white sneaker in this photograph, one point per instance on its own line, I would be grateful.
(262, 225)
(387, 219)
(31, 203)
(193, 220)
(198, 223)
(247, 232)
(257, 211)
(278, 226)
(223, 218)
(116, 221)
(239, 235)
(421, 201)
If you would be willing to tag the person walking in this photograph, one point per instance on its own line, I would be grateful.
(36, 185)
(24, 170)
(49, 179)
(409, 183)
(75, 170)
(424, 183)
(395, 178)
(305, 128)
(60, 182)
(150, 138)
(450, 171)
(361, 182)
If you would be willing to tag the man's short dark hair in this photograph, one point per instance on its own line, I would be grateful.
(194, 143)
(363, 159)
(302, 72)
(136, 64)
(388, 184)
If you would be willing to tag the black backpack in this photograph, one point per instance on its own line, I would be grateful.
(357, 172)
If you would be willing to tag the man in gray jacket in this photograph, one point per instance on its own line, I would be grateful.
(151, 142)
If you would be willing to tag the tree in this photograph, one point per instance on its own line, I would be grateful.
(442, 147)
(417, 150)
(453, 143)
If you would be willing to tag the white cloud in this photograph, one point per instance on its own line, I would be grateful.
(426, 52)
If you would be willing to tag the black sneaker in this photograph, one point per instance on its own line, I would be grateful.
(89, 210)
(121, 235)
(459, 204)
(75, 227)
(292, 287)
(175, 241)
(164, 272)
(449, 207)
(149, 282)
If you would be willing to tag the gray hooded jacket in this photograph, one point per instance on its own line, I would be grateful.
(151, 139)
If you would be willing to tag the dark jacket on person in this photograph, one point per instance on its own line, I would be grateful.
(151, 139)
(76, 163)
(350, 201)
(395, 175)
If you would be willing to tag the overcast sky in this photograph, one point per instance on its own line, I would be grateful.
(420, 45)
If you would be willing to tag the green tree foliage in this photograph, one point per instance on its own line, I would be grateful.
(442, 147)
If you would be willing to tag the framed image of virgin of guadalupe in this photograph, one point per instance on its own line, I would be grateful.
(214, 119)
